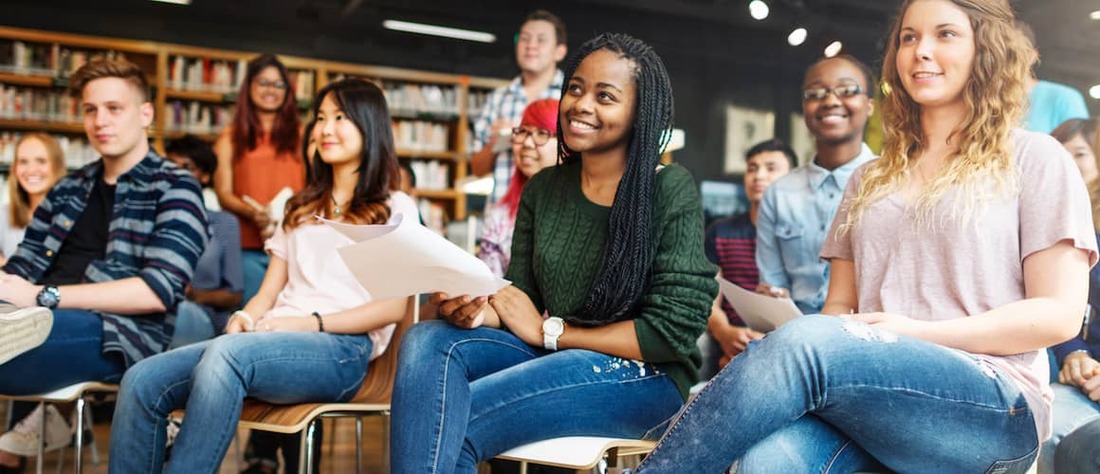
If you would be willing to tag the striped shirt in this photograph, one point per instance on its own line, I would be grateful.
(157, 232)
(730, 243)
(507, 103)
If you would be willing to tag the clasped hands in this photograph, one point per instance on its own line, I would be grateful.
(239, 324)
(509, 307)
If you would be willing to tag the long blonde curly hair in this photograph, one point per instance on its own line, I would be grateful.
(995, 96)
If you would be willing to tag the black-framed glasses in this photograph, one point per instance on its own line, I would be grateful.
(841, 92)
(539, 135)
(280, 85)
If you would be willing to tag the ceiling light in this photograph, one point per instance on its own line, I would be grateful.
(833, 49)
(758, 9)
(444, 31)
(1094, 91)
(1094, 15)
(177, 2)
(797, 37)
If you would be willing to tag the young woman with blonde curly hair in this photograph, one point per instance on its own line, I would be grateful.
(957, 257)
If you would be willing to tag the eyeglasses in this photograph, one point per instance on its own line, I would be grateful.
(540, 136)
(280, 85)
(841, 92)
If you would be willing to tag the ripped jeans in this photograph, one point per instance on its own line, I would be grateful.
(826, 394)
(463, 396)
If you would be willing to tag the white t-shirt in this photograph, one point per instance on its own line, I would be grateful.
(317, 280)
(946, 269)
(11, 235)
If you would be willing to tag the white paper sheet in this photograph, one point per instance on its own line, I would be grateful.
(404, 258)
(760, 312)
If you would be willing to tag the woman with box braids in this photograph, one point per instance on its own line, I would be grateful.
(609, 289)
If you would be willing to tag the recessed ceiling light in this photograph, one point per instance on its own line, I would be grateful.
(444, 31)
(176, 2)
(758, 9)
(1094, 15)
(1094, 91)
(833, 49)
(797, 37)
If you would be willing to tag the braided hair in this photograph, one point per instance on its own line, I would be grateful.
(624, 272)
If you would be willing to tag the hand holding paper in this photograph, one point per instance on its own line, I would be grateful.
(403, 258)
(759, 312)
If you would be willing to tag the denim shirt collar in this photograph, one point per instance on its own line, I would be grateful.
(819, 175)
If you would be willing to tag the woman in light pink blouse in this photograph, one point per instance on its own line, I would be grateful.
(956, 259)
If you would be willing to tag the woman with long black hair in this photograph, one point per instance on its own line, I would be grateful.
(610, 289)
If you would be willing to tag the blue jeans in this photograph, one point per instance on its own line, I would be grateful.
(463, 396)
(845, 395)
(193, 324)
(72, 353)
(211, 379)
(1079, 451)
(253, 266)
(1072, 409)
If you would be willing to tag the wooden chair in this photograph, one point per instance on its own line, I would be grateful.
(580, 453)
(75, 392)
(373, 398)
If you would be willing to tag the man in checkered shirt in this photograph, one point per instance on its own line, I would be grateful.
(540, 45)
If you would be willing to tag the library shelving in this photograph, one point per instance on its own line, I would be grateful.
(195, 91)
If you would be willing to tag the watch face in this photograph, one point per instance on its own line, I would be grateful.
(553, 326)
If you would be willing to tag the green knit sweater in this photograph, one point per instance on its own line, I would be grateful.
(558, 245)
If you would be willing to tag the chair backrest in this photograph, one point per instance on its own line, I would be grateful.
(378, 385)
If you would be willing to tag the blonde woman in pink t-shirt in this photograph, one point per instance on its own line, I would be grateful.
(311, 330)
(956, 258)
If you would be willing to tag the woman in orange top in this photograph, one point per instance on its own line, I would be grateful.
(258, 156)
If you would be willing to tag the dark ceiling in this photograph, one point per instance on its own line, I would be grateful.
(697, 27)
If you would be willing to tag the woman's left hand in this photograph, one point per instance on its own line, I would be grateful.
(895, 323)
(518, 314)
(287, 324)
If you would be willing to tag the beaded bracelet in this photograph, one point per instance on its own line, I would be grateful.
(320, 321)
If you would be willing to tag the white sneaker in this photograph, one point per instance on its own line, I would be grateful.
(22, 329)
(23, 439)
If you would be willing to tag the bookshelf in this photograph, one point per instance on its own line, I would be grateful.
(195, 92)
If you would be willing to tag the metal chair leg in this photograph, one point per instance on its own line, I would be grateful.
(305, 462)
(81, 406)
(41, 440)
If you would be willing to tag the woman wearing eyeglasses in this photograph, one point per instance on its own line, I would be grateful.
(534, 146)
(796, 210)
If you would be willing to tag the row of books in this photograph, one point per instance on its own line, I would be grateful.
(225, 76)
(78, 152)
(430, 175)
(47, 59)
(48, 105)
(416, 135)
(197, 117)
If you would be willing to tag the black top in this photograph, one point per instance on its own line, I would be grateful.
(88, 239)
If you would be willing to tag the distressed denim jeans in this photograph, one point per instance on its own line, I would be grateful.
(827, 394)
(211, 379)
(463, 396)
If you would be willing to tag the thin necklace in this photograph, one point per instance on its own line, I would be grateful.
(337, 207)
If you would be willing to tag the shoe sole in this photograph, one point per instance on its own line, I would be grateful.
(23, 330)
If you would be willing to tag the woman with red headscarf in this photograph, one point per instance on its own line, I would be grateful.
(534, 146)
